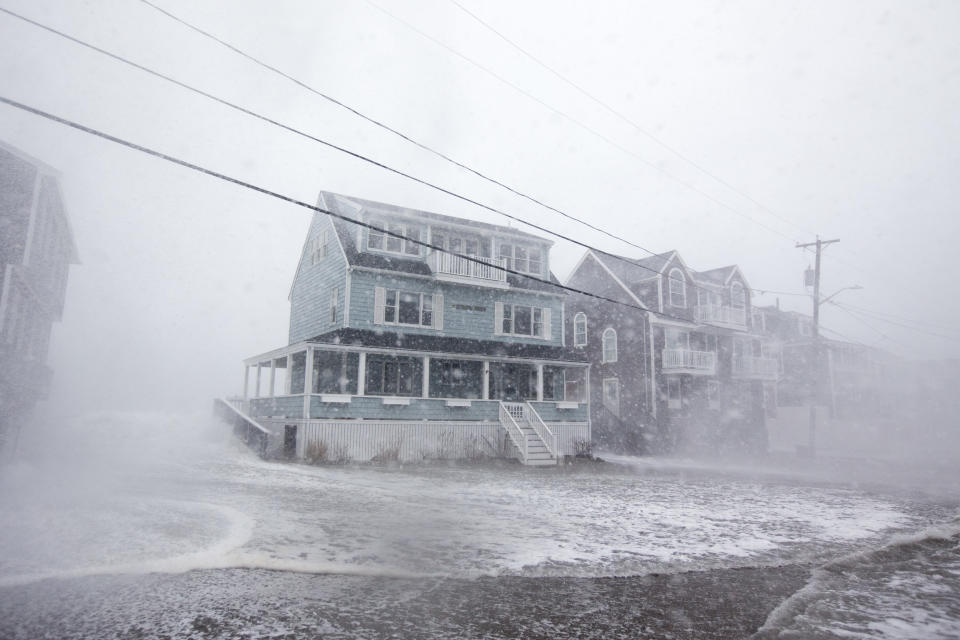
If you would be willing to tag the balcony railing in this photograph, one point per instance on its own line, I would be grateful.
(721, 314)
(705, 361)
(479, 268)
(755, 367)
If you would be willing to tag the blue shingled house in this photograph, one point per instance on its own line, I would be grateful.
(404, 351)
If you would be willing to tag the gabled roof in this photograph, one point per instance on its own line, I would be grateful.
(347, 232)
(52, 172)
(721, 276)
(352, 206)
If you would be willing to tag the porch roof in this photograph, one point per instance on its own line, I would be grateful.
(448, 344)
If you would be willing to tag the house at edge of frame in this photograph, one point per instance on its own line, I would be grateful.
(674, 360)
(36, 251)
(401, 351)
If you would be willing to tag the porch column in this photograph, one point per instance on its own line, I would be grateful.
(307, 382)
(426, 377)
(362, 374)
(246, 381)
(587, 384)
(256, 394)
(273, 376)
(486, 379)
(539, 382)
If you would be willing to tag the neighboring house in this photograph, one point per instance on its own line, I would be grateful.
(853, 381)
(400, 350)
(680, 369)
(36, 249)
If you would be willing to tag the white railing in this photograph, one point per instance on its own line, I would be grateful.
(543, 431)
(513, 430)
(721, 314)
(479, 268)
(750, 366)
(687, 359)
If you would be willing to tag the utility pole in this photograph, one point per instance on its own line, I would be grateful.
(815, 375)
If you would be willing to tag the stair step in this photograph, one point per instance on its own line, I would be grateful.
(540, 462)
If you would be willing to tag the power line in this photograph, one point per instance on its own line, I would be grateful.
(336, 147)
(570, 118)
(625, 119)
(918, 321)
(411, 140)
(306, 205)
(870, 326)
(898, 324)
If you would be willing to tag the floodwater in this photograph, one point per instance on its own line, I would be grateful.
(142, 526)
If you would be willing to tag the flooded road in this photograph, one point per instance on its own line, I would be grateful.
(153, 526)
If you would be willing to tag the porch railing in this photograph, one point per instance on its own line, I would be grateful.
(479, 268)
(513, 430)
(543, 431)
(687, 359)
(756, 367)
(721, 314)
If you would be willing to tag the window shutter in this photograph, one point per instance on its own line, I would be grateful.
(379, 302)
(438, 311)
(498, 318)
(547, 330)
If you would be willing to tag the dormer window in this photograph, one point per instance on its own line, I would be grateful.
(677, 288)
(522, 258)
(394, 237)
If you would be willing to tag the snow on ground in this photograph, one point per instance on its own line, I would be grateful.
(140, 492)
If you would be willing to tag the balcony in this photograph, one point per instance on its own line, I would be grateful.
(687, 361)
(720, 314)
(757, 368)
(448, 266)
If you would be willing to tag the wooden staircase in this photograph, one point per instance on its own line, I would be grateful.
(536, 444)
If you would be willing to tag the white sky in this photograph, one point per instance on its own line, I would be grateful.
(839, 117)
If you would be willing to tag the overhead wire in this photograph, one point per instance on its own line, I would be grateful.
(575, 121)
(333, 146)
(852, 311)
(353, 110)
(300, 203)
(625, 119)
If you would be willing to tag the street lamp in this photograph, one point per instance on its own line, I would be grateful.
(835, 293)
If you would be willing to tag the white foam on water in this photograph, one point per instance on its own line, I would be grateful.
(906, 588)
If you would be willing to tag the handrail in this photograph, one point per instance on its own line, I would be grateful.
(543, 431)
(245, 427)
(513, 430)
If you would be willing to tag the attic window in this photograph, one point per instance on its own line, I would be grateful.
(394, 237)
(318, 247)
(678, 289)
(737, 297)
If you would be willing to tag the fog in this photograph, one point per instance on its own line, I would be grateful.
(729, 131)
(835, 117)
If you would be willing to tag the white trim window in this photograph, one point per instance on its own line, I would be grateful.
(334, 303)
(580, 330)
(609, 343)
(403, 238)
(611, 395)
(407, 308)
(674, 393)
(738, 298)
(522, 320)
(318, 247)
(677, 288)
(522, 258)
